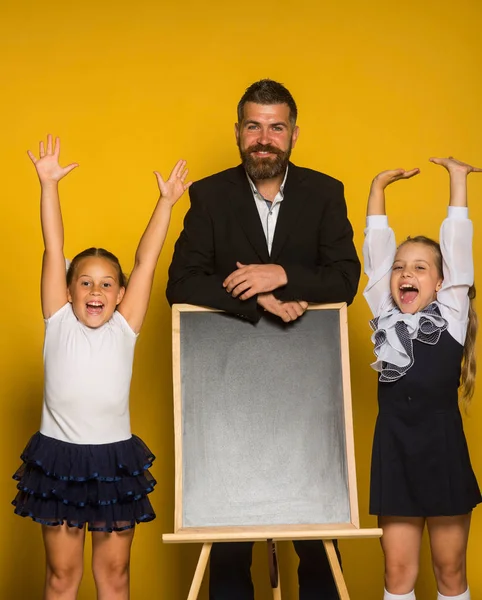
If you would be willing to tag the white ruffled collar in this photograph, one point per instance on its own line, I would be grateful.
(393, 337)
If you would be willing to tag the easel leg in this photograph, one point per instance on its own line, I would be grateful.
(273, 570)
(200, 570)
(336, 570)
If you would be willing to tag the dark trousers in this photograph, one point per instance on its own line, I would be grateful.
(230, 571)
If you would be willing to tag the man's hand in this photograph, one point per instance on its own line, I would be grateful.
(249, 280)
(287, 311)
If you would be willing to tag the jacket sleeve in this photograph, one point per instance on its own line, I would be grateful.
(379, 250)
(456, 236)
(192, 277)
(335, 278)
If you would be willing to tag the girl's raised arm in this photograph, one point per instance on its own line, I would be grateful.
(136, 299)
(456, 235)
(53, 282)
(379, 246)
(376, 199)
(458, 172)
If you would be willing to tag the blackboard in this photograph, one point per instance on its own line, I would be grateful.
(263, 420)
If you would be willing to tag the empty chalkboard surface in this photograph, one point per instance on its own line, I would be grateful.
(263, 421)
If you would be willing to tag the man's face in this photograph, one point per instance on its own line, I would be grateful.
(265, 138)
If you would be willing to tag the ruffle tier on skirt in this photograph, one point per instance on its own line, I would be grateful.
(104, 486)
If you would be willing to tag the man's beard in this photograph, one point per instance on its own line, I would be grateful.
(264, 168)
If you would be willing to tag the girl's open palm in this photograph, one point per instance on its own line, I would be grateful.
(47, 165)
(453, 165)
(387, 177)
(174, 187)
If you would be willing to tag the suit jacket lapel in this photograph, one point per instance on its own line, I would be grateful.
(293, 202)
(247, 213)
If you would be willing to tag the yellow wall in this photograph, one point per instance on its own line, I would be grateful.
(132, 86)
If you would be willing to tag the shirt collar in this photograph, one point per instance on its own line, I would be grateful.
(255, 190)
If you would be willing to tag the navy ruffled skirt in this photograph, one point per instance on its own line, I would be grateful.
(104, 486)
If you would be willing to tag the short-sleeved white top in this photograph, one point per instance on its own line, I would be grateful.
(87, 377)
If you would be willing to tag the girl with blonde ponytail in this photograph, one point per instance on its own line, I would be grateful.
(421, 296)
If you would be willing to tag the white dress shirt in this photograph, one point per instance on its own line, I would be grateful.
(268, 211)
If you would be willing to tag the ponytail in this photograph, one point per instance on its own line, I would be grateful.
(469, 366)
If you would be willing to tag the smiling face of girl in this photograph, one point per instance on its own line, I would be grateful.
(95, 290)
(416, 276)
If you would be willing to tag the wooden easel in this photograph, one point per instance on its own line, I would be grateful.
(271, 538)
(200, 570)
(332, 559)
(326, 532)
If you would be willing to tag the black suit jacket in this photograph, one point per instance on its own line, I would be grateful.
(313, 242)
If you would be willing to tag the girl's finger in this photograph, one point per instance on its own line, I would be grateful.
(49, 144)
(57, 147)
(173, 173)
(411, 173)
(179, 167)
(70, 167)
(160, 180)
(41, 149)
(31, 156)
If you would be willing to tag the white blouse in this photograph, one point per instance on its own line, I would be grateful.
(453, 302)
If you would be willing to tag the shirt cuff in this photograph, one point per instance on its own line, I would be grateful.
(377, 222)
(459, 213)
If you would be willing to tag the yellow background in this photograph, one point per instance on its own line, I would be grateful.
(132, 86)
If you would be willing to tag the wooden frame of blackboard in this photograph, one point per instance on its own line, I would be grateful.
(272, 533)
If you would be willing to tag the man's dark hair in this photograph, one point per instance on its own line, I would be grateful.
(268, 91)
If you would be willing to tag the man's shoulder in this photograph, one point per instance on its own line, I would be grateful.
(312, 177)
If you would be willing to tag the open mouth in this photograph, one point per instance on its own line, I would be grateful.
(94, 307)
(263, 154)
(263, 151)
(408, 293)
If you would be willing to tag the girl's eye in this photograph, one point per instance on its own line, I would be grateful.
(106, 285)
(85, 283)
(397, 268)
(420, 268)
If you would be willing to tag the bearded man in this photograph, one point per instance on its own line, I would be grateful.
(265, 236)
